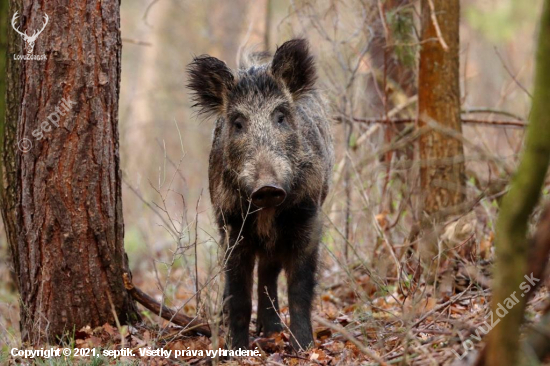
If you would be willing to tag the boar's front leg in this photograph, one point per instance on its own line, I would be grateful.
(268, 304)
(301, 283)
(238, 296)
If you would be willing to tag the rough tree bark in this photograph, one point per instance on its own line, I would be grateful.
(442, 170)
(9, 147)
(62, 205)
(3, 57)
(517, 206)
(4, 65)
(4, 10)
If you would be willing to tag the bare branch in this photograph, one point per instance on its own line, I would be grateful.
(436, 26)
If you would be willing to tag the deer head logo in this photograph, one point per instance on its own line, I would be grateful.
(29, 40)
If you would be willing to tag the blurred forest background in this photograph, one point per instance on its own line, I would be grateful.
(367, 59)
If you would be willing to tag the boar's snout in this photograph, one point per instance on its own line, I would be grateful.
(268, 196)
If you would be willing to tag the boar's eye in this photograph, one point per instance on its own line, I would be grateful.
(238, 123)
(279, 117)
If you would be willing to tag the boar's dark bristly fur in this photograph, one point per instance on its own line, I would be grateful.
(211, 80)
(269, 173)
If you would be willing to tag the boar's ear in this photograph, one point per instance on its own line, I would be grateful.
(211, 81)
(295, 66)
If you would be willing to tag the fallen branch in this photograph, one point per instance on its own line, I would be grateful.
(175, 317)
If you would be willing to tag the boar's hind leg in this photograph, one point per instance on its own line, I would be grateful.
(301, 283)
(268, 304)
(238, 297)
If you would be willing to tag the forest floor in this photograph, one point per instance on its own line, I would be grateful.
(402, 325)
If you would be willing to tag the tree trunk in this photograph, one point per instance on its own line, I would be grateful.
(394, 73)
(63, 202)
(4, 65)
(517, 206)
(10, 113)
(4, 21)
(442, 155)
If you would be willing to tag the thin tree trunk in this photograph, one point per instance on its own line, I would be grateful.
(442, 170)
(267, 31)
(517, 206)
(385, 60)
(63, 199)
(395, 75)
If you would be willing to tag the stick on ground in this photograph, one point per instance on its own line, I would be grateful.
(175, 317)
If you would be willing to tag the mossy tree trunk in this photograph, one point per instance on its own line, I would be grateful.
(62, 202)
(517, 206)
(442, 155)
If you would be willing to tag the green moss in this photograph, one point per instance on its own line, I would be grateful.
(401, 23)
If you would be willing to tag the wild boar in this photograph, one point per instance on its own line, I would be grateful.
(269, 173)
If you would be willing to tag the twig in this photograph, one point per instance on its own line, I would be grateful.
(282, 320)
(197, 290)
(491, 110)
(382, 14)
(300, 358)
(436, 26)
(147, 204)
(176, 166)
(137, 42)
(147, 11)
(439, 307)
(411, 120)
(349, 337)
(512, 75)
(165, 312)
